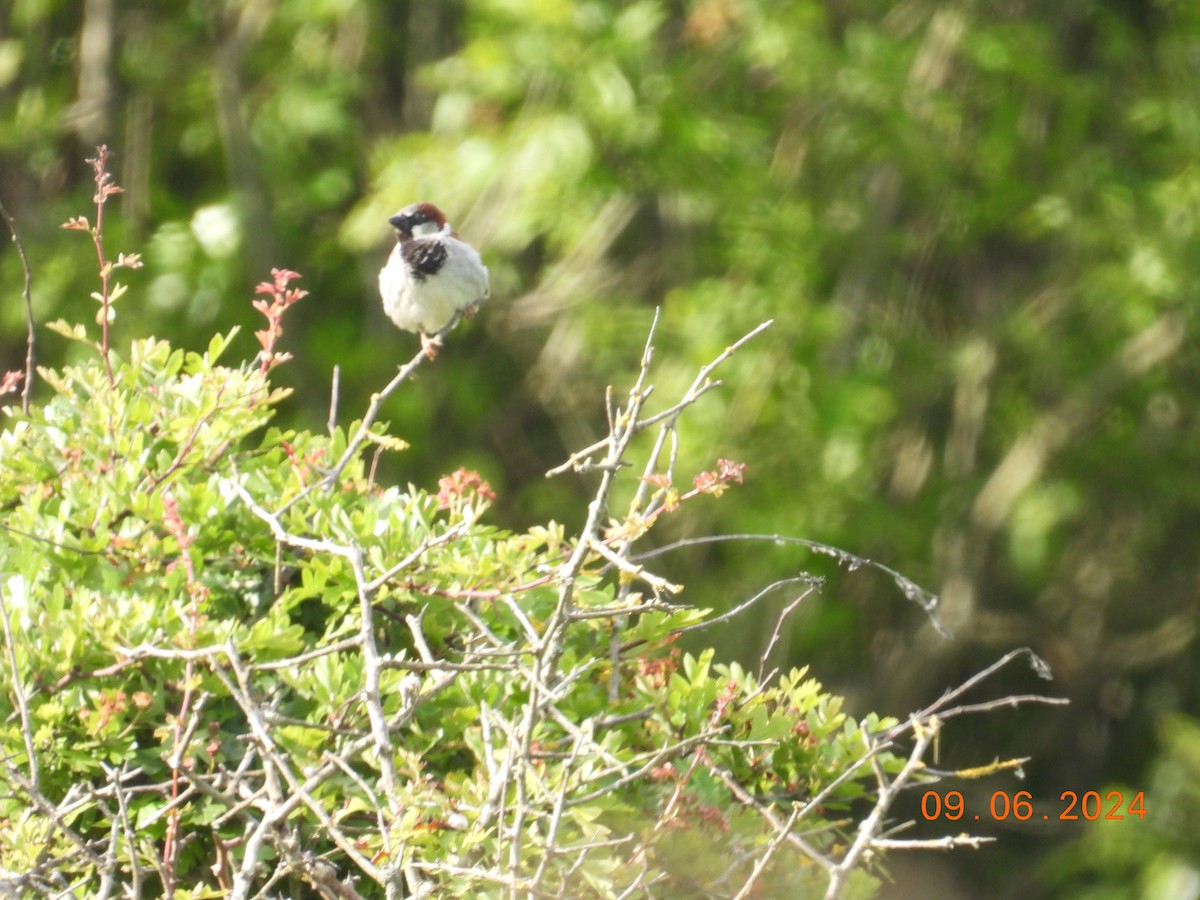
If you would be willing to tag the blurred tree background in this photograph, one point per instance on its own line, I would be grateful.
(974, 222)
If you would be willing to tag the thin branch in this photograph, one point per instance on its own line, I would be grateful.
(629, 570)
(114, 778)
(701, 385)
(1012, 701)
(364, 427)
(760, 863)
(867, 829)
(927, 600)
(812, 585)
(334, 386)
(949, 842)
(30, 324)
(1035, 662)
(777, 633)
(18, 688)
(370, 688)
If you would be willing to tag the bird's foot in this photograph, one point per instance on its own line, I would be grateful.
(469, 311)
(430, 344)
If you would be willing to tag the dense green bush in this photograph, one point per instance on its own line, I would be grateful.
(365, 689)
(235, 665)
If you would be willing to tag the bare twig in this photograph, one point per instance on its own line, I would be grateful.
(370, 688)
(1012, 701)
(1036, 663)
(18, 689)
(777, 633)
(760, 862)
(701, 385)
(334, 387)
(364, 427)
(297, 792)
(913, 591)
(888, 790)
(811, 583)
(30, 325)
(949, 842)
(115, 779)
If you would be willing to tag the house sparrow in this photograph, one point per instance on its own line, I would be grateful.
(432, 276)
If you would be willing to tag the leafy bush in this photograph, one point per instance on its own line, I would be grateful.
(237, 666)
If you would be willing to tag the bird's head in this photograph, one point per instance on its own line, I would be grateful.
(418, 220)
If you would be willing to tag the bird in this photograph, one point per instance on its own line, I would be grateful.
(432, 276)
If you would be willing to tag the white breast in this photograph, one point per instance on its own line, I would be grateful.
(429, 304)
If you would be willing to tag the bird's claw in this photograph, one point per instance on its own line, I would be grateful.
(430, 344)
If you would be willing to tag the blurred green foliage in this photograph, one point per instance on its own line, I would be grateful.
(975, 224)
(1151, 857)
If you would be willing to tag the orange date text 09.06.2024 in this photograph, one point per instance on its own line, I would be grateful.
(1089, 806)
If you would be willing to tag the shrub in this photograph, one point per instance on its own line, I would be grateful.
(236, 666)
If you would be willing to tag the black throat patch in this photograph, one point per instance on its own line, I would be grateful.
(423, 258)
